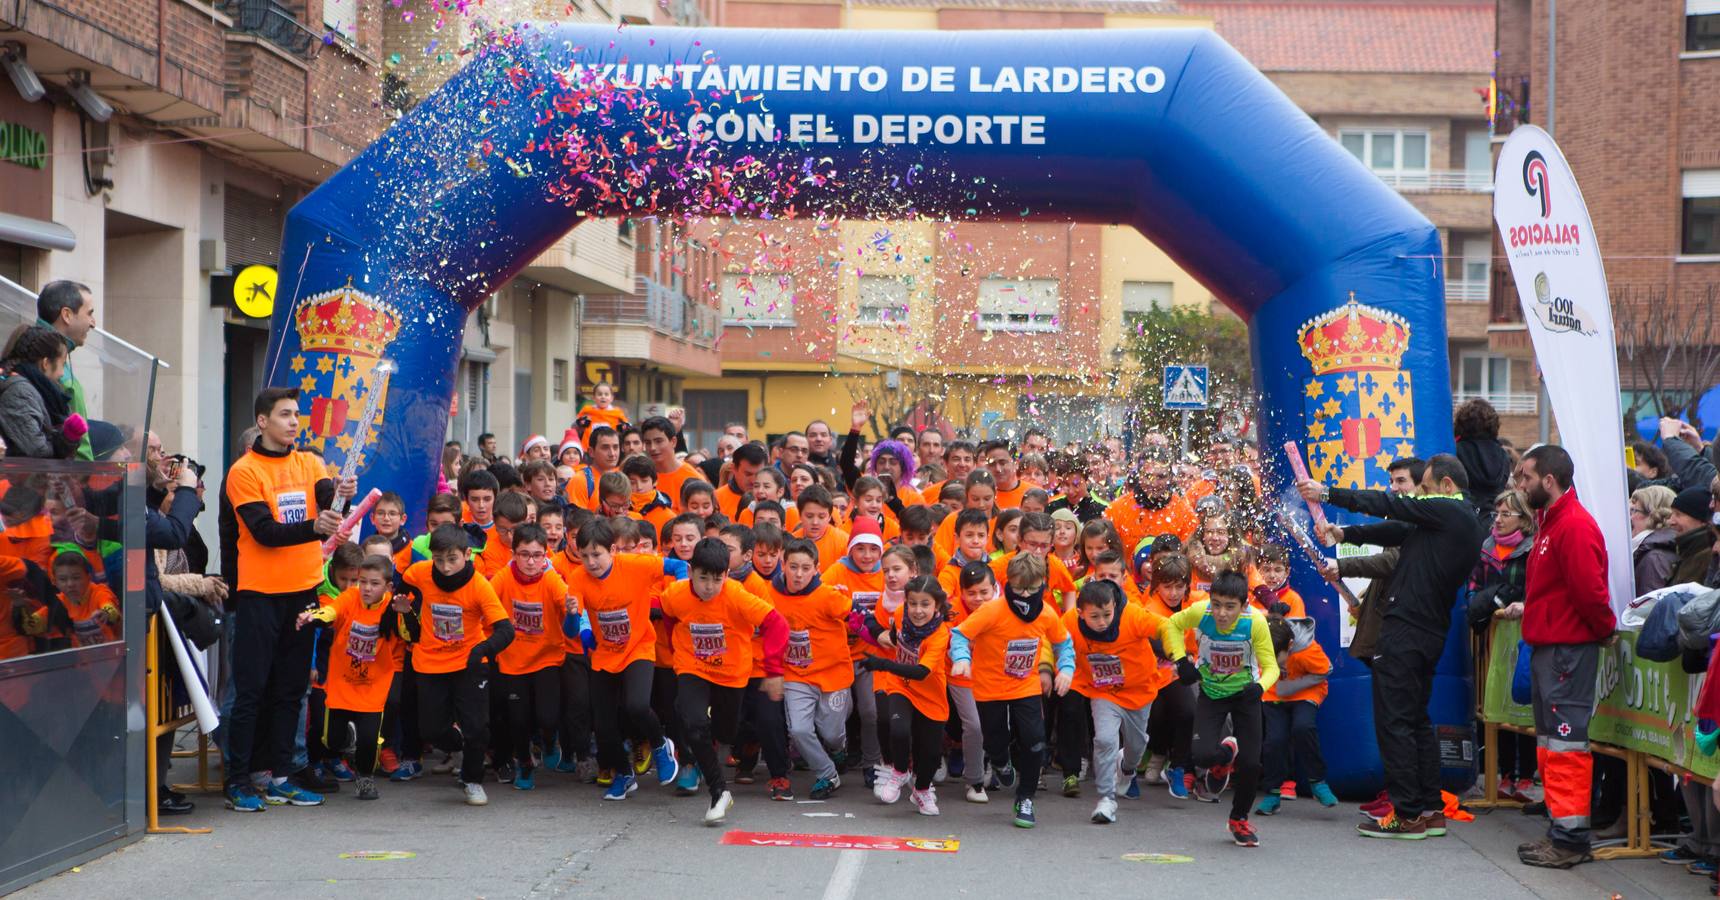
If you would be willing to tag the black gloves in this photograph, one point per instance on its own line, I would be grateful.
(1251, 691)
(1187, 672)
(869, 663)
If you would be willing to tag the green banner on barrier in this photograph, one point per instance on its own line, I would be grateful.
(1643, 705)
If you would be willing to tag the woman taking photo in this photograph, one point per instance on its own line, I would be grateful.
(36, 416)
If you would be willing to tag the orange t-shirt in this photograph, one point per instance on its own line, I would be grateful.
(614, 416)
(1135, 523)
(16, 624)
(832, 546)
(565, 562)
(1124, 671)
(728, 502)
(1156, 605)
(288, 485)
(817, 637)
(670, 483)
(96, 619)
(32, 540)
(1057, 578)
(361, 658)
(663, 646)
(1005, 650)
(930, 695)
(1011, 499)
(1310, 660)
(758, 586)
(1286, 594)
(959, 614)
(582, 487)
(619, 606)
(865, 589)
(493, 558)
(536, 610)
(790, 518)
(714, 638)
(450, 625)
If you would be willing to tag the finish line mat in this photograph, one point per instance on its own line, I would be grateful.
(839, 841)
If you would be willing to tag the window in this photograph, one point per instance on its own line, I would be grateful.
(763, 298)
(1388, 152)
(341, 17)
(560, 380)
(883, 300)
(1143, 297)
(1701, 225)
(1701, 25)
(1018, 304)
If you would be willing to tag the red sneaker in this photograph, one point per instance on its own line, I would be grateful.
(1287, 791)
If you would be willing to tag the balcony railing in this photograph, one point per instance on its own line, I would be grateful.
(1512, 102)
(1458, 290)
(658, 306)
(1440, 181)
(274, 22)
(1507, 402)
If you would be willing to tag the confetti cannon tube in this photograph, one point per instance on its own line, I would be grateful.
(352, 520)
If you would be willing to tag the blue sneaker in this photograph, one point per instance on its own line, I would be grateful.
(287, 792)
(623, 785)
(1323, 793)
(664, 758)
(1133, 791)
(339, 771)
(241, 798)
(1269, 805)
(565, 765)
(687, 784)
(523, 780)
(553, 757)
(1002, 779)
(1024, 813)
(408, 770)
(1176, 783)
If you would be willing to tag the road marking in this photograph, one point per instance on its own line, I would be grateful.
(845, 880)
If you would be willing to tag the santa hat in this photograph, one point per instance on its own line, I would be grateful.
(536, 440)
(865, 531)
(570, 438)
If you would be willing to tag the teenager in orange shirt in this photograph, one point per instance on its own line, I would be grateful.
(737, 494)
(93, 608)
(658, 435)
(978, 493)
(764, 724)
(999, 458)
(615, 592)
(999, 646)
(1118, 675)
(456, 609)
(819, 669)
(366, 621)
(918, 632)
(605, 446)
(713, 618)
(817, 518)
(859, 577)
(536, 600)
(1149, 505)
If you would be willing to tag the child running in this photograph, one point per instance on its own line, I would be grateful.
(819, 670)
(1236, 667)
(1118, 673)
(535, 598)
(915, 685)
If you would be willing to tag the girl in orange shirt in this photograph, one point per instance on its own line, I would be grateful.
(365, 622)
(600, 411)
(859, 577)
(918, 704)
(536, 600)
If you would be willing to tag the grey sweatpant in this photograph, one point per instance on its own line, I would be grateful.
(816, 721)
(866, 704)
(1118, 734)
(973, 740)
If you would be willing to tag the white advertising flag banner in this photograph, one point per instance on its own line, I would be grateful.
(1556, 266)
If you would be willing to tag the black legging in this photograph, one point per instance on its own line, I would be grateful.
(368, 725)
(461, 696)
(576, 707)
(763, 720)
(913, 736)
(663, 688)
(1170, 726)
(710, 714)
(534, 707)
(1014, 730)
(1209, 715)
(1074, 731)
(617, 695)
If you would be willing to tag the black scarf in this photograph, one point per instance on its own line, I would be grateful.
(1026, 607)
(1111, 632)
(54, 397)
(913, 634)
(448, 584)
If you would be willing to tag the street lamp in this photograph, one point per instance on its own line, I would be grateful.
(88, 100)
(23, 77)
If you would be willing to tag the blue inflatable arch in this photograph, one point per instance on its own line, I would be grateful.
(1170, 131)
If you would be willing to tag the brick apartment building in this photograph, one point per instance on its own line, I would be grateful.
(1635, 105)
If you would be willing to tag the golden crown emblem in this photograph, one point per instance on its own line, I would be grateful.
(1354, 338)
(346, 321)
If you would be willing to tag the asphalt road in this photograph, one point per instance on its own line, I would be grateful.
(561, 840)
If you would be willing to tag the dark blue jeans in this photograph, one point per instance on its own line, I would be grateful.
(1290, 729)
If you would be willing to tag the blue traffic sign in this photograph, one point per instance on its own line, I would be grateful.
(1185, 387)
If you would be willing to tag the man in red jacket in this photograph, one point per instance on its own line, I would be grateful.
(1566, 620)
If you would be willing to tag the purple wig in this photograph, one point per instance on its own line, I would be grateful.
(898, 450)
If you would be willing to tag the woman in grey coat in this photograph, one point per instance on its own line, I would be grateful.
(36, 418)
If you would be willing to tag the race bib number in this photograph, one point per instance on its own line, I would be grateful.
(614, 626)
(361, 642)
(447, 622)
(1107, 669)
(291, 507)
(528, 616)
(88, 631)
(1227, 658)
(799, 653)
(906, 655)
(709, 642)
(866, 601)
(1021, 657)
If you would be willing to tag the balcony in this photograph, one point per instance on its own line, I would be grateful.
(593, 258)
(1439, 181)
(1509, 403)
(664, 310)
(274, 22)
(1461, 291)
(1511, 104)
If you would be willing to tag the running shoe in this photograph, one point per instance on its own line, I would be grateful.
(523, 780)
(1071, 785)
(338, 770)
(1268, 805)
(926, 801)
(887, 787)
(823, 788)
(687, 783)
(1024, 813)
(241, 798)
(1287, 791)
(1176, 782)
(475, 795)
(719, 808)
(1106, 812)
(1323, 793)
(642, 759)
(663, 755)
(367, 788)
(976, 794)
(289, 793)
(1393, 827)
(1155, 773)
(408, 770)
(1243, 833)
(780, 789)
(1133, 791)
(621, 787)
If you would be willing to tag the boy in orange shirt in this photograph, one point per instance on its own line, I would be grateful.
(1275, 577)
(764, 724)
(455, 610)
(1289, 712)
(1118, 674)
(536, 600)
(93, 608)
(976, 586)
(972, 529)
(860, 578)
(1170, 728)
(999, 646)
(819, 669)
(817, 513)
(366, 621)
(1035, 539)
(615, 594)
(713, 619)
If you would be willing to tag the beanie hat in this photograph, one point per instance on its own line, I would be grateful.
(865, 531)
(1693, 502)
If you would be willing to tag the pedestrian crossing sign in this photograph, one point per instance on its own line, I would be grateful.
(1185, 387)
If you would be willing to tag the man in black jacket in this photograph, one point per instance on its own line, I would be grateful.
(1439, 538)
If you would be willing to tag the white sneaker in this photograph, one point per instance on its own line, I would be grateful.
(1155, 773)
(1106, 812)
(475, 795)
(887, 787)
(719, 808)
(448, 763)
(943, 772)
(926, 801)
(976, 794)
